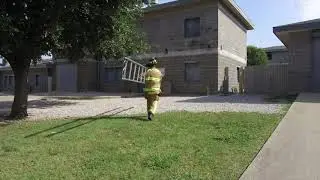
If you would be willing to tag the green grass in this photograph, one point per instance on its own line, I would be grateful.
(176, 145)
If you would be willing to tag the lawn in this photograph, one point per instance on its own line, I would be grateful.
(176, 145)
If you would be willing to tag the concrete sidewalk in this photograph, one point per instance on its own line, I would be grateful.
(293, 150)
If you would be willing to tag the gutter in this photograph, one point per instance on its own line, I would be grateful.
(299, 26)
(171, 4)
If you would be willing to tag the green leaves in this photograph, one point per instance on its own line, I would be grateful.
(32, 28)
(256, 56)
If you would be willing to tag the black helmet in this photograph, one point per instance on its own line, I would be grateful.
(152, 62)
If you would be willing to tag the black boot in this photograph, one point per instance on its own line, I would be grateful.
(150, 116)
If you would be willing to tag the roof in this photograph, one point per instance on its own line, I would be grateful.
(304, 25)
(40, 64)
(231, 5)
(275, 48)
(239, 13)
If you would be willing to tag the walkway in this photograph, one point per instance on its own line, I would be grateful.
(293, 150)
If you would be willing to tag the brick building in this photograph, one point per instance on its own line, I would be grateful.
(277, 55)
(194, 41)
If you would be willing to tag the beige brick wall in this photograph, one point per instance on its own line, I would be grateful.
(300, 63)
(232, 39)
(232, 71)
(175, 74)
(165, 28)
(232, 34)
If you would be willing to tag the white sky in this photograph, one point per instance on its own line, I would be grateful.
(309, 9)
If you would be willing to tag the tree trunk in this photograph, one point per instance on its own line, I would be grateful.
(20, 103)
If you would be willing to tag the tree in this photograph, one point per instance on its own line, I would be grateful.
(256, 56)
(31, 28)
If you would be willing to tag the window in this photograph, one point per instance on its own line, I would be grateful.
(192, 27)
(269, 54)
(192, 72)
(37, 80)
(113, 74)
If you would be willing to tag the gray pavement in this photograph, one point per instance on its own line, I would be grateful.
(293, 150)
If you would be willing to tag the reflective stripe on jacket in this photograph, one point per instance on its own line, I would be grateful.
(153, 81)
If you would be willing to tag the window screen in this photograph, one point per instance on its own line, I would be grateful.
(192, 27)
(113, 74)
(192, 72)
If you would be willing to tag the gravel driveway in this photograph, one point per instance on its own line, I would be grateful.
(41, 107)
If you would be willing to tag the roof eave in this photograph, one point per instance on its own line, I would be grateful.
(279, 36)
(230, 4)
(240, 14)
(297, 27)
(275, 50)
(171, 4)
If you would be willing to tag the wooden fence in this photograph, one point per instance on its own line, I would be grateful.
(270, 79)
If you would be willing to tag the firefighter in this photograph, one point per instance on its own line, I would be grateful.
(152, 89)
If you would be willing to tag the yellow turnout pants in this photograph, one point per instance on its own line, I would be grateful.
(152, 102)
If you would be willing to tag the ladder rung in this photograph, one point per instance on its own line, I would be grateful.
(139, 75)
(136, 71)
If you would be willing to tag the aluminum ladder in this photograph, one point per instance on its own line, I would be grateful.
(133, 71)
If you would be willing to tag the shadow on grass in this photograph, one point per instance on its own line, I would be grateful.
(244, 99)
(88, 120)
(5, 107)
(276, 99)
(39, 104)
